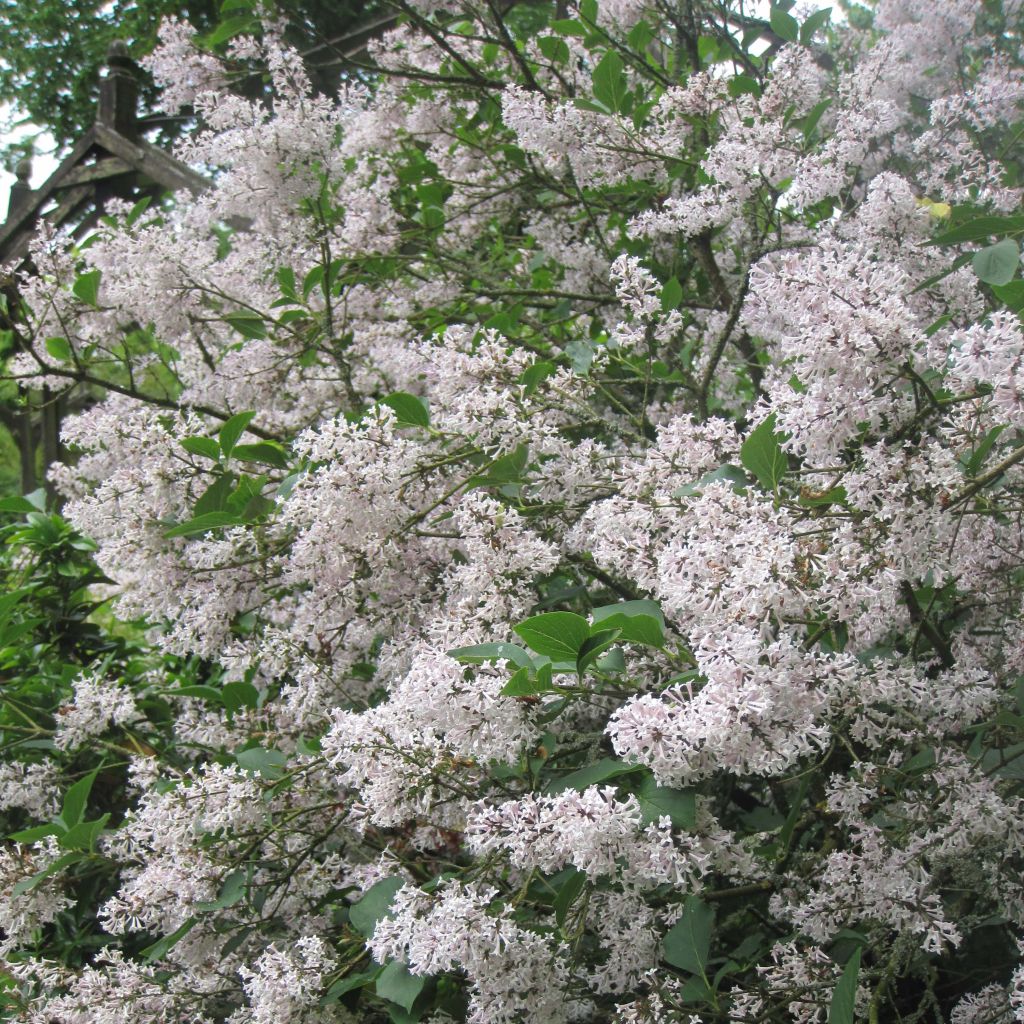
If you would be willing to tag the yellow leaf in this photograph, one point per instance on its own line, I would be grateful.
(940, 211)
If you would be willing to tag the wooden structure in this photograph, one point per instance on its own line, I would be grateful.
(112, 159)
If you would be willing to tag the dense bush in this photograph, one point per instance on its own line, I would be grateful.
(69, 735)
(571, 485)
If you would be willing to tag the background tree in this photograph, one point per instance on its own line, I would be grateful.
(52, 53)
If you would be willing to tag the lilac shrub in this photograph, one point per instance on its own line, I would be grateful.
(589, 448)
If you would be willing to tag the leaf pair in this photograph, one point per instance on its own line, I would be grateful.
(567, 637)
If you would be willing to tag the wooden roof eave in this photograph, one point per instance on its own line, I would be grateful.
(74, 179)
(25, 216)
(150, 160)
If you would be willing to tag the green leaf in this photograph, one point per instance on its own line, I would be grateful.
(639, 622)
(833, 496)
(312, 280)
(534, 375)
(34, 834)
(408, 408)
(545, 674)
(231, 892)
(671, 294)
(270, 453)
(479, 654)
(215, 497)
(729, 473)
(1006, 762)
(19, 506)
(657, 801)
(508, 469)
(997, 263)
(567, 896)
(762, 455)
(688, 942)
(556, 50)
(364, 915)
(580, 352)
(83, 836)
(205, 446)
(233, 430)
(268, 762)
(348, 984)
(814, 24)
(978, 456)
(979, 228)
(1012, 295)
(87, 287)
(696, 990)
(249, 325)
(640, 36)
(596, 108)
(614, 661)
(229, 29)
(568, 27)
(559, 635)
(138, 210)
(396, 984)
(522, 684)
(431, 217)
(247, 501)
(610, 81)
(709, 49)
(60, 349)
(593, 647)
(163, 946)
(813, 116)
(286, 282)
(740, 84)
(204, 524)
(10, 600)
(73, 809)
(841, 1009)
(239, 694)
(784, 25)
(605, 769)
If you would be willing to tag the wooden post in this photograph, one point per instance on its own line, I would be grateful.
(21, 190)
(50, 426)
(119, 92)
(26, 441)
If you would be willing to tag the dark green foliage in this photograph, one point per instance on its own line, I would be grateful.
(54, 629)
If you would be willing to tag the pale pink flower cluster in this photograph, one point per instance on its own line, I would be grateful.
(513, 971)
(702, 354)
(97, 704)
(281, 984)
